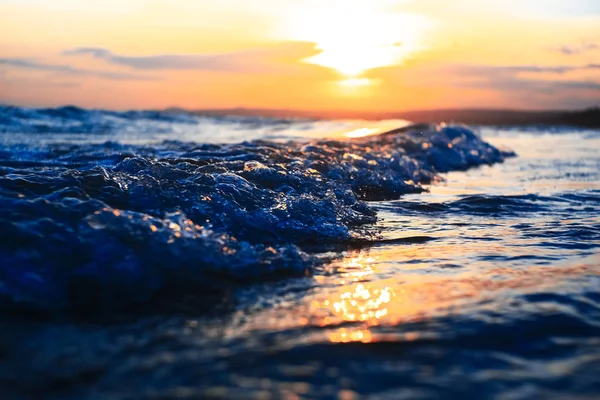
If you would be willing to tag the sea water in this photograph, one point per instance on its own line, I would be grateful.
(171, 255)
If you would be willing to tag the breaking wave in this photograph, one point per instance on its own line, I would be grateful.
(112, 223)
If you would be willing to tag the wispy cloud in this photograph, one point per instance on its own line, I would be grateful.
(503, 78)
(69, 84)
(509, 80)
(511, 83)
(569, 50)
(277, 58)
(70, 70)
(516, 69)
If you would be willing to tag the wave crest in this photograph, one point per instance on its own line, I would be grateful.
(116, 223)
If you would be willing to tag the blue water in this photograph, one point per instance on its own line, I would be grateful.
(168, 255)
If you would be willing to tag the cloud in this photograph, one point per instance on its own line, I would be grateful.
(574, 50)
(516, 69)
(68, 84)
(532, 85)
(283, 57)
(513, 80)
(509, 78)
(67, 69)
(23, 83)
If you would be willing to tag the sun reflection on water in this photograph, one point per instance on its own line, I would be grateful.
(357, 300)
(379, 294)
(344, 335)
(361, 132)
(365, 298)
(363, 304)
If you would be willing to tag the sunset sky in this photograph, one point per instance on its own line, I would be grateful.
(372, 55)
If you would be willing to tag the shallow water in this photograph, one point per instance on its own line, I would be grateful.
(487, 285)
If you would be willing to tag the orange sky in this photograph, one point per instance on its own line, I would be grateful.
(371, 55)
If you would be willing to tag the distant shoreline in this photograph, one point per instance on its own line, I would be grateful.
(583, 118)
(587, 118)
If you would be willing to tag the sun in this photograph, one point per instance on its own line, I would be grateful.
(356, 35)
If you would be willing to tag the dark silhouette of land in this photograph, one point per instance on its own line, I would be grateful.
(588, 118)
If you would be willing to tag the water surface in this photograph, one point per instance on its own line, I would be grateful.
(486, 285)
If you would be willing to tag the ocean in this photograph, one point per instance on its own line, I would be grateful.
(168, 255)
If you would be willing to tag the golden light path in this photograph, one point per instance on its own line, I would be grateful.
(357, 298)
(356, 35)
(361, 132)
